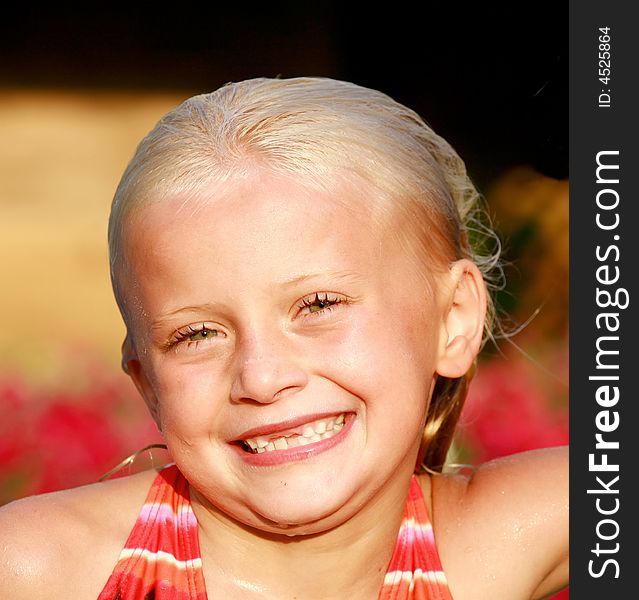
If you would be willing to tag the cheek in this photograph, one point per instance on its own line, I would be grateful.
(189, 398)
(388, 357)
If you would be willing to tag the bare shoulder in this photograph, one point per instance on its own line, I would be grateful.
(504, 526)
(69, 540)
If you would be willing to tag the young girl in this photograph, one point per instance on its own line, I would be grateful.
(303, 309)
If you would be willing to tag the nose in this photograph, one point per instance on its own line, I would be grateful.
(267, 369)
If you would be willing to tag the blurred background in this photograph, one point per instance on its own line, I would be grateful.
(79, 87)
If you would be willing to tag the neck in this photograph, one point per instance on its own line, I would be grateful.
(347, 561)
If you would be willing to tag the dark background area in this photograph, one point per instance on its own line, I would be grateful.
(491, 79)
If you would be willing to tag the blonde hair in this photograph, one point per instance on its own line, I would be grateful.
(313, 128)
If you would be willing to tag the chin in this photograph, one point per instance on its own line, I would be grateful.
(302, 507)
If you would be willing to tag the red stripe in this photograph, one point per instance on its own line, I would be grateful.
(135, 577)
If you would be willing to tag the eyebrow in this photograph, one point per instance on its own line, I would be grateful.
(338, 276)
(196, 308)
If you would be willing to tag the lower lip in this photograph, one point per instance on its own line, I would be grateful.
(278, 457)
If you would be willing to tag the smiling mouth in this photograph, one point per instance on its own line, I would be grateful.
(309, 433)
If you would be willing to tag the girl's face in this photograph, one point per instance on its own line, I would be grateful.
(286, 345)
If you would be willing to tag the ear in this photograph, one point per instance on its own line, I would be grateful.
(463, 325)
(132, 366)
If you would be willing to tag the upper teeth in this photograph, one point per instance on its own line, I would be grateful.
(311, 432)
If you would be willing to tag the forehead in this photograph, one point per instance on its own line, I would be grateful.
(258, 213)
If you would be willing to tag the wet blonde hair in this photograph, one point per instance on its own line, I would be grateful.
(315, 128)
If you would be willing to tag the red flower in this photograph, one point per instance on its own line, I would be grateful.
(507, 411)
(51, 440)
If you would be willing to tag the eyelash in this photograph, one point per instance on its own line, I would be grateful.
(183, 335)
(326, 301)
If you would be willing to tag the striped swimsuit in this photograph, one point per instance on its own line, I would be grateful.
(161, 559)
